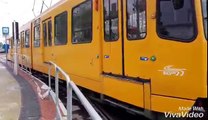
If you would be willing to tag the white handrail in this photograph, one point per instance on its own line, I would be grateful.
(70, 86)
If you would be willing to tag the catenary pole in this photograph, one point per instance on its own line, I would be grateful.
(15, 48)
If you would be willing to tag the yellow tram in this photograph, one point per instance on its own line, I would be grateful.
(147, 54)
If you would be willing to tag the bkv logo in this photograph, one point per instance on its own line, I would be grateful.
(169, 70)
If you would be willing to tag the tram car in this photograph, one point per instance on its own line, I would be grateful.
(146, 56)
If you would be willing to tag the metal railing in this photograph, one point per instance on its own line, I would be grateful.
(70, 86)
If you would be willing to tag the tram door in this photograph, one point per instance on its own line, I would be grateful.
(47, 40)
(124, 34)
(137, 49)
(112, 43)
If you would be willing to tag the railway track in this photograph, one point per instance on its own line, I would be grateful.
(102, 112)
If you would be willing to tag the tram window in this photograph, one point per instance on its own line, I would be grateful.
(45, 34)
(204, 9)
(176, 20)
(22, 39)
(37, 36)
(27, 39)
(61, 29)
(136, 23)
(82, 23)
(49, 33)
(111, 20)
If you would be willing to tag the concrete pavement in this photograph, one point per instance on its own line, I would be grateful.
(10, 96)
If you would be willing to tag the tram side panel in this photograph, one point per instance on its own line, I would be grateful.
(37, 47)
(26, 45)
(78, 50)
(179, 75)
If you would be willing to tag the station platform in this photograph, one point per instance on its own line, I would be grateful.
(20, 97)
(10, 94)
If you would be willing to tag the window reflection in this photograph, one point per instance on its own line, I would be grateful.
(49, 33)
(45, 34)
(136, 14)
(22, 39)
(27, 38)
(37, 36)
(176, 24)
(61, 29)
(82, 23)
(111, 19)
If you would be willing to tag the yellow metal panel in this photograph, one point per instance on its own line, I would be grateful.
(191, 58)
(27, 52)
(167, 104)
(82, 60)
(113, 63)
(87, 83)
(125, 91)
(147, 96)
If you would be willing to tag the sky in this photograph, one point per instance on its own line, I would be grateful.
(20, 11)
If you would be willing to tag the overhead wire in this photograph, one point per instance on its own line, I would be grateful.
(33, 8)
(51, 3)
(43, 3)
